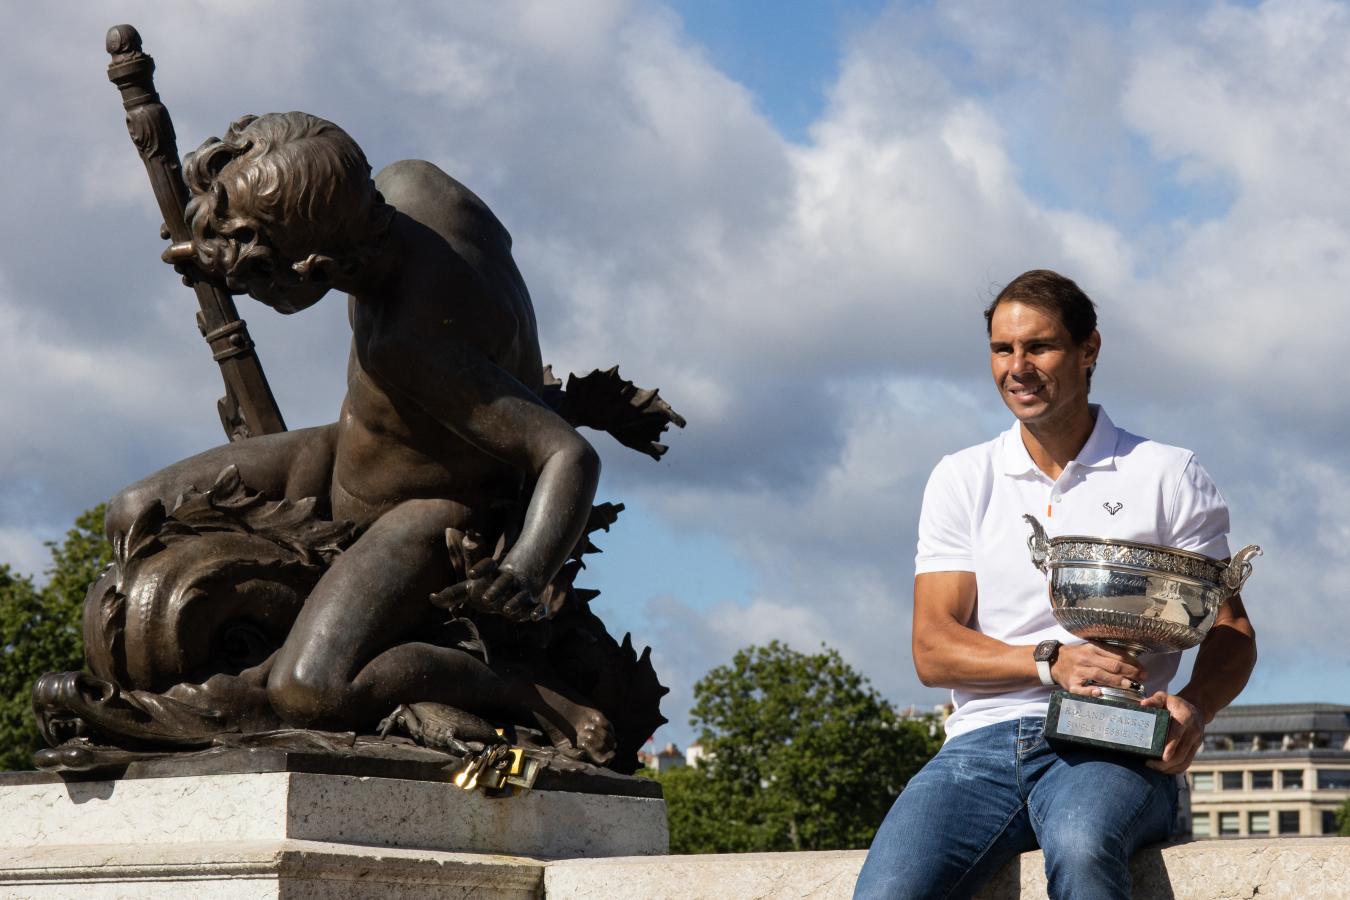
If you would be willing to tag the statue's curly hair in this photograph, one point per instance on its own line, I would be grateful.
(279, 192)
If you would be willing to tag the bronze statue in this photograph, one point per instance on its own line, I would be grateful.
(408, 567)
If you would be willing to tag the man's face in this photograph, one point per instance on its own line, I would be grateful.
(1040, 372)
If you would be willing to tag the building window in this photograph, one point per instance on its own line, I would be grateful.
(1202, 826)
(1262, 779)
(1203, 781)
(1329, 821)
(1289, 821)
(1232, 781)
(1258, 823)
(1228, 824)
(1333, 779)
(1291, 779)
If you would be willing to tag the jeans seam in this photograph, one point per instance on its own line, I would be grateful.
(1017, 810)
(1145, 805)
(974, 863)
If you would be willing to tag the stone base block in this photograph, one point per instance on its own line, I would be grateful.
(344, 809)
(261, 870)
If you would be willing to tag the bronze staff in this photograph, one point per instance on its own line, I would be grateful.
(248, 407)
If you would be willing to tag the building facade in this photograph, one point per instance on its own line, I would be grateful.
(662, 760)
(1271, 770)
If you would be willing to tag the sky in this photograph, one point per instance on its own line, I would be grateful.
(789, 217)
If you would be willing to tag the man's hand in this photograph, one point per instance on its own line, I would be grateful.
(1185, 733)
(1086, 668)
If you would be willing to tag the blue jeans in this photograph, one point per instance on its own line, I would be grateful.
(1001, 790)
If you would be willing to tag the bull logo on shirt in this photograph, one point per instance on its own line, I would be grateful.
(1113, 508)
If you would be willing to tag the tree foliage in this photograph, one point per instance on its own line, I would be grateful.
(40, 631)
(1343, 818)
(801, 754)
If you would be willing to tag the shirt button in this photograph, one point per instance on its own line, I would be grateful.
(1057, 497)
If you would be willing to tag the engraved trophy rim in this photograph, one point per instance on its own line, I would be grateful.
(1139, 545)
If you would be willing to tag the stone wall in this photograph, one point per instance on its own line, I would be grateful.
(294, 869)
(270, 831)
(1291, 868)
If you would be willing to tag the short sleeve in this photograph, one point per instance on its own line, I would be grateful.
(1199, 520)
(944, 523)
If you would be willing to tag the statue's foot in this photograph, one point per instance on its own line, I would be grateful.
(591, 736)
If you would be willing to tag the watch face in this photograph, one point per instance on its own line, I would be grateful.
(1045, 651)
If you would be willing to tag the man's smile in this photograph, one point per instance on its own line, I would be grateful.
(1026, 391)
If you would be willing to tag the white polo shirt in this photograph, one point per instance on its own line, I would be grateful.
(1120, 486)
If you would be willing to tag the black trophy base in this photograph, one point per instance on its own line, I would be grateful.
(1116, 725)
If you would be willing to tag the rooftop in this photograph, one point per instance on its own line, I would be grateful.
(1281, 718)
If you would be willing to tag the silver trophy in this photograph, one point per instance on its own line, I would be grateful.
(1140, 598)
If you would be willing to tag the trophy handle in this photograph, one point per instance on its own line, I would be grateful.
(1039, 544)
(1240, 569)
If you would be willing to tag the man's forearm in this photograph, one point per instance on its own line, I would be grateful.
(950, 652)
(960, 657)
(1222, 666)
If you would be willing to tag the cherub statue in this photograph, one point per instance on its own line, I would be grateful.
(301, 580)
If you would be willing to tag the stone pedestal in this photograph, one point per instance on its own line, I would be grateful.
(267, 824)
(261, 870)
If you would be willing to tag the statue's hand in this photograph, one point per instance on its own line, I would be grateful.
(492, 588)
(183, 258)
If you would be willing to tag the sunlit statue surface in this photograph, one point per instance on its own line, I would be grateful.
(406, 570)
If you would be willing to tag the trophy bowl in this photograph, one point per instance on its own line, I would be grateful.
(1143, 598)
(1140, 598)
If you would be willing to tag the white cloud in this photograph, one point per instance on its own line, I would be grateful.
(812, 307)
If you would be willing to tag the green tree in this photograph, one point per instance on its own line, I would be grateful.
(801, 754)
(40, 631)
(1343, 819)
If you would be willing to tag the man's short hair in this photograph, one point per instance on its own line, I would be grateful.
(281, 189)
(1052, 293)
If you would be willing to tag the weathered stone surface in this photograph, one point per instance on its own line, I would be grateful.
(809, 876)
(308, 836)
(254, 870)
(1202, 870)
(381, 812)
(1293, 868)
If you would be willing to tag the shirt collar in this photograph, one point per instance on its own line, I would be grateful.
(1098, 453)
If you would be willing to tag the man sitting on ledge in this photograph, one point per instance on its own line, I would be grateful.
(983, 627)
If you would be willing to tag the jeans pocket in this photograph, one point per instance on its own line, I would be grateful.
(1030, 736)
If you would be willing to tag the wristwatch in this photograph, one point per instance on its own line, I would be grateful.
(1046, 654)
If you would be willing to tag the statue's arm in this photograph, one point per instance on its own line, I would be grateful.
(485, 406)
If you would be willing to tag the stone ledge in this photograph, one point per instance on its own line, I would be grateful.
(296, 870)
(818, 876)
(1294, 868)
(309, 870)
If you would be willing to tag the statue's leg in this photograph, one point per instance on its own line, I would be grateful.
(290, 465)
(353, 655)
